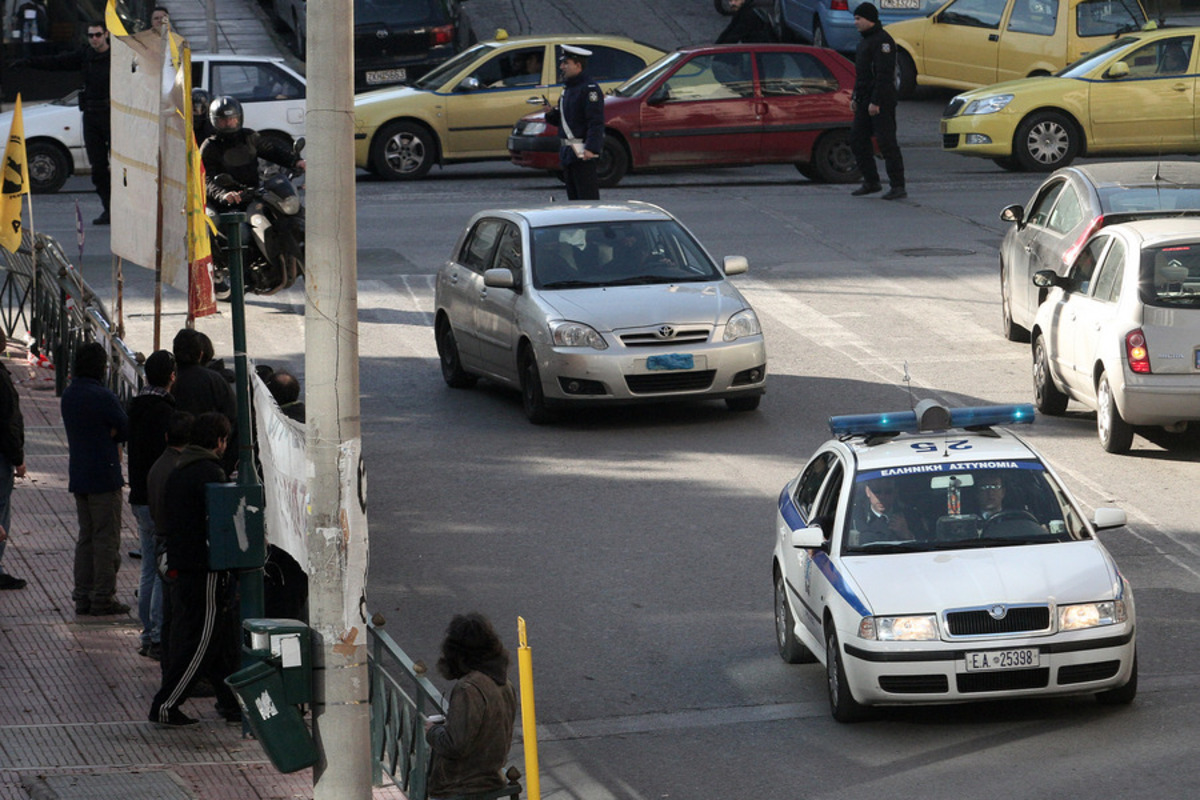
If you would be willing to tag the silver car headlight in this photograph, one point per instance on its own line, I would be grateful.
(576, 334)
(987, 105)
(920, 628)
(743, 323)
(1091, 615)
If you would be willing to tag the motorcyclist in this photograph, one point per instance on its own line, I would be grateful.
(234, 151)
(201, 126)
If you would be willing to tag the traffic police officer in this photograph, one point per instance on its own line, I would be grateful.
(580, 120)
(874, 103)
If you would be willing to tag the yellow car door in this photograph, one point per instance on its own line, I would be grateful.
(500, 89)
(1034, 39)
(1148, 97)
(963, 42)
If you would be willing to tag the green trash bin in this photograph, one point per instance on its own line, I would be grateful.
(278, 725)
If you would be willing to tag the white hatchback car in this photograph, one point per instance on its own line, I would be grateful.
(927, 557)
(1120, 332)
(580, 303)
(272, 96)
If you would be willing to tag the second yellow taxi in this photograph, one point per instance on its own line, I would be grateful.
(464, 109)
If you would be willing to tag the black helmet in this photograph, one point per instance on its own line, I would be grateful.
(225, 114)
(200, 101)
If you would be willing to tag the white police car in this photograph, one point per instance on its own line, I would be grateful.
(929, 557)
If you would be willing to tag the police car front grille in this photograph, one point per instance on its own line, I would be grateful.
(914, 684)
(1082, 673)
(953, 107)
(949, 141)
(651, 338)
(670, 382)
(970, 682)
(979, 621)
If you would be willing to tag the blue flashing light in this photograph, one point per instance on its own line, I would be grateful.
(907, 422)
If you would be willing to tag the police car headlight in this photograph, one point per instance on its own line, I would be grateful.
(743, 323)
(576, 334)
(987, 105)
(1091, 615)
(899, 629)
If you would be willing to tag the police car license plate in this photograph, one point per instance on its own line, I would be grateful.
(900, 4)
(992, 660)
(672, 361)
(386, 75)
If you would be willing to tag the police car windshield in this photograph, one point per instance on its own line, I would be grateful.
(958, 506)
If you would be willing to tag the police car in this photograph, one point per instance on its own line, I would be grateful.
(930, 556)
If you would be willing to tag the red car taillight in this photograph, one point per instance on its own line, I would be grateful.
(443, 34)
(840, 5)
(1135, 349)
(1074, 249)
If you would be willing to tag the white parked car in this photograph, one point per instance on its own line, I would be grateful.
(580, 303)
(272, 96)
(1120, 332)
(928, 557)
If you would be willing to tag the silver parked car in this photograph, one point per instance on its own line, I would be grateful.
(595, 303)
(1071, 205)
(1120, 332)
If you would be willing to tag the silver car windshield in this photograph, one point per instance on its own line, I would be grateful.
(989, 504)
(1170, 276)
(605, 254)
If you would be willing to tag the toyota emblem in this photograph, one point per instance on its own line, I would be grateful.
(382, 33)
(665, 332)
(998, 611)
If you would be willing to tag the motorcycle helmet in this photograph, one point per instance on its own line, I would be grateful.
(200, 102)
(225, 114)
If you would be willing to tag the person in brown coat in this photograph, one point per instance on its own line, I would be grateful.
(469, 748)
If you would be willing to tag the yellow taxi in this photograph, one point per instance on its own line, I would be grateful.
(464, 109)
(1134, 96)
(970, 43)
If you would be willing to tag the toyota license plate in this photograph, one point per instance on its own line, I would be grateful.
(672, 361)
(386, 75)
(992, 660)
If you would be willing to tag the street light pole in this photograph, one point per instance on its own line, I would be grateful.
(337, 525)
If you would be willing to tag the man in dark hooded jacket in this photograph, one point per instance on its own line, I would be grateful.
(747, 25)
(874, 104)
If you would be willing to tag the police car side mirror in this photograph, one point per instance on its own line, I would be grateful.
(810, 538)
(1014, 213)
(1106, 518)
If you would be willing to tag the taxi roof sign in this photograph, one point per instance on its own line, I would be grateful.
(930, 416)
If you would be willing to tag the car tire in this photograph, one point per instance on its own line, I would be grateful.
(818, 37)
(1045, 141)
(403, 151)
(48, 165)
(1046, 396)
(1122, 695)
(833, 160)
(1116, 435)
(791, 649)
(842, 704)
(741, 404)
(452, 369)
(532, 397)
(906, 76)
(1012, 331)
(614, 163)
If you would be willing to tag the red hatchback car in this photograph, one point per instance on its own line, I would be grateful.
(719, 105)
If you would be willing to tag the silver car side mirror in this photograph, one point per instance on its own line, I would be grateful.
(736, 265)
(499, 278)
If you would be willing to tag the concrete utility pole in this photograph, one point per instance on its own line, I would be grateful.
(337, 528)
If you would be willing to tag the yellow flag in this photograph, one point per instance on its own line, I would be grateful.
(15, 183)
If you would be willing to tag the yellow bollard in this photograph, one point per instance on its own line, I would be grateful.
(533, 788)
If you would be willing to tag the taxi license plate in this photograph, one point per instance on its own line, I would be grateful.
(671, 361)
(386, 75)
(900, 4)
(992, 660)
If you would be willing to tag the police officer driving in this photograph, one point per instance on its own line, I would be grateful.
(580, 120)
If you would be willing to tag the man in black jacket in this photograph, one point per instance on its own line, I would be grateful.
(874, 103)
(748, 24)
(12, 459)
(200, 600)
(197, 388)
(234, 151)
(94, 62)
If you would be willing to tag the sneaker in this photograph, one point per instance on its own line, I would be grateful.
(102, 219)
(895, 193)
(175, 718)
(867, 188)
(109, 610)
(9, 582)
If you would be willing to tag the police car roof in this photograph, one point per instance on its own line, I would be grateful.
(940, 447)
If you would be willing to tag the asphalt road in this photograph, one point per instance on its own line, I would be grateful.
(636, 543)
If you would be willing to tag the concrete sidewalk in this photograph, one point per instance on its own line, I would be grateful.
(74, 693)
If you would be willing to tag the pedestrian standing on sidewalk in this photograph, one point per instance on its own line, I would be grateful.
(469, 748)
(96, 425)
(12, 459)
(200, 600)
(580, 121)
(874, 104)
(179, 435)
(149, 414)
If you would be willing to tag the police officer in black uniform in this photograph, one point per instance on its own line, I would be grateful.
(874, 103)
(95, 63)
(580, 120)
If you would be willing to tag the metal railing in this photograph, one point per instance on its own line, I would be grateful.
(43, 293)
(401, 696)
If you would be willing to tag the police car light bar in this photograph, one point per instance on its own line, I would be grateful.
(932, 418)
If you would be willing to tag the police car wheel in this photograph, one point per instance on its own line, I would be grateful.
(791, 650)
(842, 704)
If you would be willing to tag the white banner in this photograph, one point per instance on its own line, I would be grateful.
(284, 459)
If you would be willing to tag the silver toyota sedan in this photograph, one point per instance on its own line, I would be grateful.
(595, 303)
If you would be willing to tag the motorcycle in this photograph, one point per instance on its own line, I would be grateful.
(275, 223)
